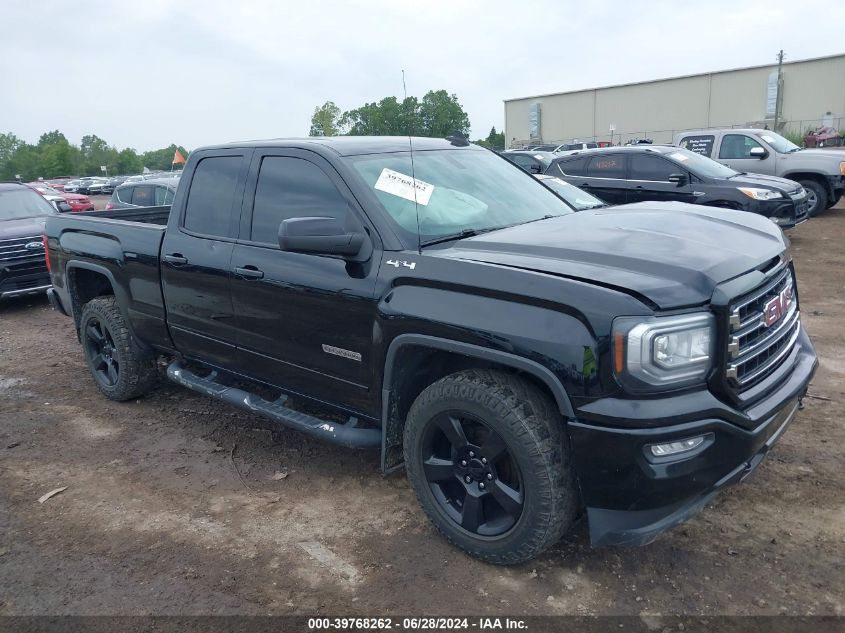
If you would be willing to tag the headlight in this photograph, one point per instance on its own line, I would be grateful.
(660, 353)
(760, 194)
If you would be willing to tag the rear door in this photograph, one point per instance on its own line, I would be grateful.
(648, 179)
(304, 322)
(604, 177)
(735, 152)
(196, 254)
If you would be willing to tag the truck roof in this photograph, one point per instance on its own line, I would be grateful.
(352, 145)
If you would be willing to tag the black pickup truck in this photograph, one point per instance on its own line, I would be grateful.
(527, 364)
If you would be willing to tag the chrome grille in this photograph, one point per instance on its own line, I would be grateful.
(13, 250)
(763, 328)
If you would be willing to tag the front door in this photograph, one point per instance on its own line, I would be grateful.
(735, 152)
(195, 260)
(305, 322)
(648, 179)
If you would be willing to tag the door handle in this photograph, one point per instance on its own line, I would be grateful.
(638, 187)
(249, 272)
(584, 185)
(176, 259)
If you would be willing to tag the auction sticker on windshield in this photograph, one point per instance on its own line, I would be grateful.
(398, 184)
(679, 156)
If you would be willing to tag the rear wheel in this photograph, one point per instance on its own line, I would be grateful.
(486, 455)
(816, 196)
(120, 367)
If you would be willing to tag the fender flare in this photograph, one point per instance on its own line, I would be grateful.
(119, 292)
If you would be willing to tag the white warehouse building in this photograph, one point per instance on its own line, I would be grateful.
(812, 94)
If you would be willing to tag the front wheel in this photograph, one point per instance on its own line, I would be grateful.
(120, 367)
(816, 196)
(487, 458)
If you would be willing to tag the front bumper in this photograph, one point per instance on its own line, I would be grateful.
(23, 277)
(785, 212)
(632, 497)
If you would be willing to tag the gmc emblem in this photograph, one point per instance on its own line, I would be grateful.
(777, 307)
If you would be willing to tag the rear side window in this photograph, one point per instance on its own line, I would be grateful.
(212, 193)
(702, 144)
(612, 166)
(574, 167)
(124, 194)
(163, 196)
(650, 167)
(142, 196)
(292, 188)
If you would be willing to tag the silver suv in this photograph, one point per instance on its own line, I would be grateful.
(820, 171)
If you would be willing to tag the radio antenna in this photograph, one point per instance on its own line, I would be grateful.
(413, 173)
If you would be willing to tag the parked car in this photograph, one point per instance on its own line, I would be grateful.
(820, 171)
(568, 147)
(522, 361)
(99, 186)
(635, 173)
(23, 269)
(532, 162)
(549, 147)
(577, 198)
(155, 192)
(76, 202)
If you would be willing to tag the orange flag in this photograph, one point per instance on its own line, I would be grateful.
(178, 158)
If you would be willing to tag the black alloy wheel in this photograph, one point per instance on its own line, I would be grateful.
(102, 351)
(471, 474)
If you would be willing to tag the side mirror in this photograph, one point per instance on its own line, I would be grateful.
(321, 236)
(64, 207)
(534, 168)
(678, 179)
(758, 152)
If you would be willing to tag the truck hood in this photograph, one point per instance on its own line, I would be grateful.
(24, 227)
(671, 253)
(823, 160)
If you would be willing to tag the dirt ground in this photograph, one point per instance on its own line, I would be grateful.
(176, 504)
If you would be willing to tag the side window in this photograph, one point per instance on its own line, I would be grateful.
(612, 166)
(737, 146)
(574, 167)
(526, 162)
(292, 188)
(650, 167)
(163, 196)
(699, 144)
(124, 194)
(209, 207)
(142, 196)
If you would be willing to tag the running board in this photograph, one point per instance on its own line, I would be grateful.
(347, 434)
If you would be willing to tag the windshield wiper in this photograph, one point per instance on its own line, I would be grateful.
(459, 235)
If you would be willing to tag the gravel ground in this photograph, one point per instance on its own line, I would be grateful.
(176, 504)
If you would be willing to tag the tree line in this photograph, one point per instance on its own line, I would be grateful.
(438, 114)
(53, 155)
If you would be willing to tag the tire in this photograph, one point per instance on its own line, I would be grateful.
(523, 498)
(816, 196)
(120, 368)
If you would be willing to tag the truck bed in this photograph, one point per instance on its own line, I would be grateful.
(145, 215)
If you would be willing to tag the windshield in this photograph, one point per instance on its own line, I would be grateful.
(576, 197)
(23, 203)
(778, 143)
(456, 190)
(701, 165)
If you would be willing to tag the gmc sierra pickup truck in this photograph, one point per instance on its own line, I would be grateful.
(527, 365)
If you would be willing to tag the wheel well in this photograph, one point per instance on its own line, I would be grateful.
(84, 285)
(724, 204)
(416, 368)
(814, 177)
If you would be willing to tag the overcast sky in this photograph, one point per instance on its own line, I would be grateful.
(148, 73)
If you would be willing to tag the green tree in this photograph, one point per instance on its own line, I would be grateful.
(9, 144)
(128, 162)
(441, 114)
(326, 120)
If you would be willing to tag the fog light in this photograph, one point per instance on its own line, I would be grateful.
(675, 448)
